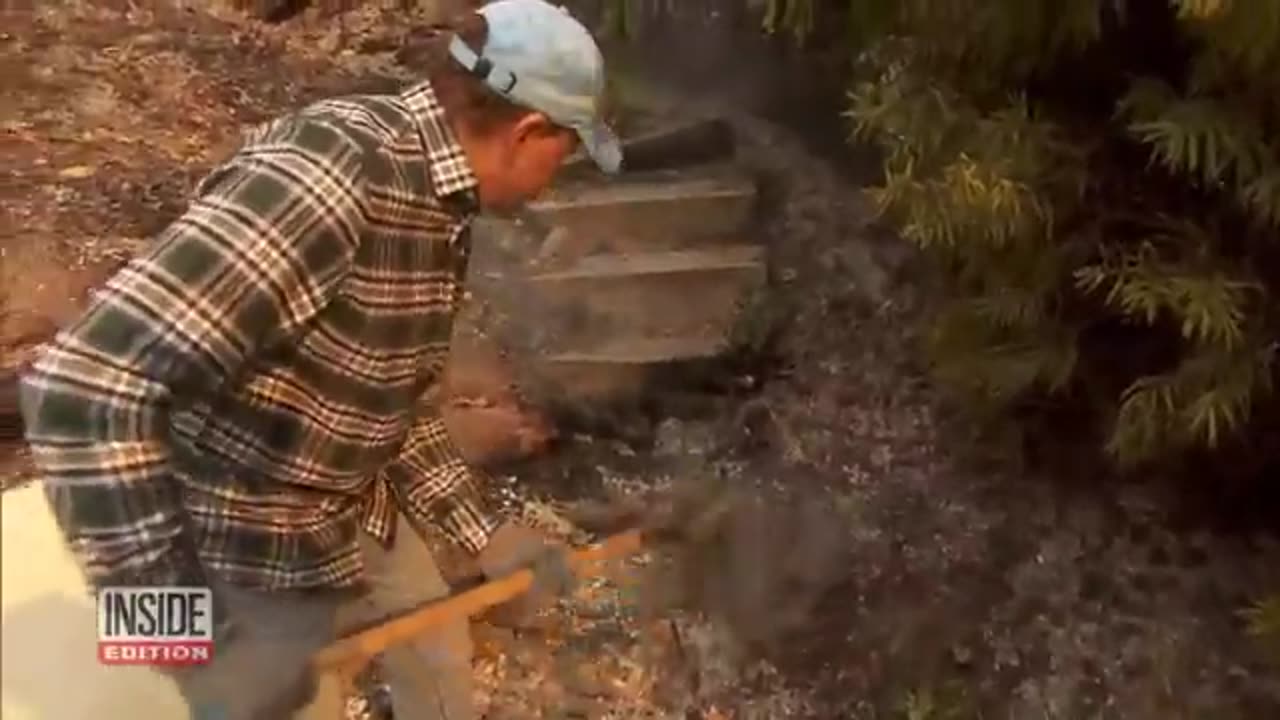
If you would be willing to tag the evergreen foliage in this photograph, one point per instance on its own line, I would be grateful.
(1097, 185)
(1264, 624)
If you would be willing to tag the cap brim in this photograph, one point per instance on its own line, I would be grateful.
(600, 142)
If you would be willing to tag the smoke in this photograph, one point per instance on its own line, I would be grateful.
(709, 49)
(755, 561)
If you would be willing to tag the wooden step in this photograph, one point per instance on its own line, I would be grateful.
(691, 293)
(620, 369)
(604, 283)
(594, 268)
(659, 210)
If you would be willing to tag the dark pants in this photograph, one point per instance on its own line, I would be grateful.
(261, 672)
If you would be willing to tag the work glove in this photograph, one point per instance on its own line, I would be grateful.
(515, 547)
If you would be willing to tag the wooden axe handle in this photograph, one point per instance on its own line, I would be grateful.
(349, 655)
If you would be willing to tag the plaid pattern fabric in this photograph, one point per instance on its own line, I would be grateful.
(247, 392)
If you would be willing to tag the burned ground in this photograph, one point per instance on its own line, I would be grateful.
(964, 589)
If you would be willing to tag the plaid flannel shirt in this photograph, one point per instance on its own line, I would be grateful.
(247, 392)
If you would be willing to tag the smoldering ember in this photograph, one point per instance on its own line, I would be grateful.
(915, 365)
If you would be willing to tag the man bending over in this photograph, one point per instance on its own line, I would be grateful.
(238, 408)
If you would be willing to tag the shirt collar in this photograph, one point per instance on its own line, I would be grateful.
(451, 176)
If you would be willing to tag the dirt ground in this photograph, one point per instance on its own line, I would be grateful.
(966, 591)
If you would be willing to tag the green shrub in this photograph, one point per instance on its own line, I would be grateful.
(1097, 186)
(1264, 625)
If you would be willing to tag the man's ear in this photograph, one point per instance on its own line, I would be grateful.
(532, 126)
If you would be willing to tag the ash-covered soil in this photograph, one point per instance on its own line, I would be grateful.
(967, 590)
(964, 590)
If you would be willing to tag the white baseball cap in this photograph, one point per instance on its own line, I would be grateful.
(539, 56)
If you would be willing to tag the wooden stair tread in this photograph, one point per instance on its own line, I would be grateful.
(654, 186)
(614, 266)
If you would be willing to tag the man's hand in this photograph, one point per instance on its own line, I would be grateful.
(515, 547)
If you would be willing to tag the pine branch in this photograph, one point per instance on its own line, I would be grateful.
(1262, 197)
(1197, 136)
(1264, 619)
(998, 195)
(797, 17)
(1246, 32)
(997, 365)
(918, 119)
(1209, 304)
(1206, 397)
(1202, 9)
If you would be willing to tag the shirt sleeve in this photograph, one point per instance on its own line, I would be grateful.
(436, 485)
(259, 251)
